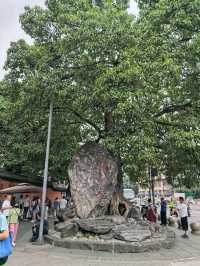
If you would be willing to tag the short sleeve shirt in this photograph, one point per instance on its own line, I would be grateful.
(183, 210)
(3, 223)
(56, 204)
(14, 216)
(26, 202)
(6, 204)
(63, 203)
(163, 206)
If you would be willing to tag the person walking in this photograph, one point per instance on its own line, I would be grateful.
(21, 202)
(13, 220)
(183, 213)
(48, 205)
(56, 206)
(26, 206)
(6, 206)
(63, 203)
(151, 213)
(171, 207)
(144, 209)
(35, 208)
(163, 212)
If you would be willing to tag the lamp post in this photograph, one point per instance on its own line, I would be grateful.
(152, 173)
(44, 189)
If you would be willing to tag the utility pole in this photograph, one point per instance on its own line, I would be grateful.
(151, 181)
(152, 188)
(44, 189)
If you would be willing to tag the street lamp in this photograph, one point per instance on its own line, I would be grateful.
(44, 189)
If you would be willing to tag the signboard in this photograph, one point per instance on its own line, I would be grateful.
(178, 195)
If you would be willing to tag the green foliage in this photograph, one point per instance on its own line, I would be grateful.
(173, 54)
(132, 85)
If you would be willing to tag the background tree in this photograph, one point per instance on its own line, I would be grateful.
(174, 30)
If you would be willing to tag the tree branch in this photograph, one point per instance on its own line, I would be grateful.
(173, 108)
(89, 122)
(165, 123)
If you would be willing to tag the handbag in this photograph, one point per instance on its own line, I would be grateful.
(5, 246)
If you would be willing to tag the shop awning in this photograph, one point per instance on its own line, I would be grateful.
(21, 188)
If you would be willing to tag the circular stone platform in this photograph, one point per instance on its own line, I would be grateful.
(129, 237)
(115, 246)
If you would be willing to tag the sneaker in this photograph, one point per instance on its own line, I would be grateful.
(185, 236)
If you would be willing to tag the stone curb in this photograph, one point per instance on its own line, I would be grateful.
(114, 246)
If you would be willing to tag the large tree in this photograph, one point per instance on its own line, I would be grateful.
(75, 44)
(130, 84)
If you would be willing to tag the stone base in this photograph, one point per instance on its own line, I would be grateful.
(115, 246)
(195, 227)
(194, 232)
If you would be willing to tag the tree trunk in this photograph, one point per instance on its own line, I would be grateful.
(118, 205)
(119, 187)
(108, 121)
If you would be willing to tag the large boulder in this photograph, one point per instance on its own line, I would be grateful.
(131, 233)
(97, 226)
(66, 214)
(93, 178)
(69, 230)
(134, 213)
(116, 219)
(61, 226)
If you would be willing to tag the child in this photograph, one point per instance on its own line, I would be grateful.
(14, 221)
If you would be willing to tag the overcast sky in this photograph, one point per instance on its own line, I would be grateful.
(9, 23)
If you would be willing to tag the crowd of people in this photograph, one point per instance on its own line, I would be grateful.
(182, 211)
(26, 208)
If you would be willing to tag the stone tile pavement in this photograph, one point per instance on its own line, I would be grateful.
(48, 256)
(186, 252)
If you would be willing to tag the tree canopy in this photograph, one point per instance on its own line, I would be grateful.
(130, 83)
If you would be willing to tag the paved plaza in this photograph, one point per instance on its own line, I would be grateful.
(186, 252)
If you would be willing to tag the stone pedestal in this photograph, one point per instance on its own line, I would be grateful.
(195, 228)
(171, 221)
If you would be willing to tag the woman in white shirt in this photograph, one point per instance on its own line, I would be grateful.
(6, 206)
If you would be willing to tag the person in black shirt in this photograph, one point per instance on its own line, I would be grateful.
(163, 212)
(36, 228)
